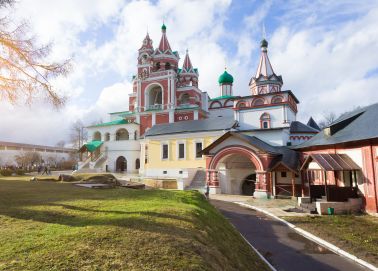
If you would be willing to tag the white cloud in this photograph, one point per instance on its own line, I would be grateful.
(324, 65)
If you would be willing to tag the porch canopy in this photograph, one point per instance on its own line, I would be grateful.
(91, 146)
(334, 176)
(332, 162)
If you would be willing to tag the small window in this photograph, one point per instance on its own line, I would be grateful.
(283, 174)
(137, 163)
(198, 149)
(165, 151)
(164, 172)
(180, 172)
(181, 151)
(265, 125)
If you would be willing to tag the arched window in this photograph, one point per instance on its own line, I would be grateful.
(215, 104)
(241, 104)
(167, 66)
(276, 100)
(122, 134)
(258, 102)
(155, 96)
(229, 103)
(137, 163)
(185, 98)
(107, 137)
(135, 135)
(97, 136)
(157, 66)
(265, 121)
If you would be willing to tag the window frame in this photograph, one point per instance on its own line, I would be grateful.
(162, 151)
(178, 150)
(195, 149)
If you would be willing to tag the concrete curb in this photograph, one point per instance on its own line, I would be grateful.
(313, 238)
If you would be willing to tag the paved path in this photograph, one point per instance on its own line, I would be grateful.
(285, 249)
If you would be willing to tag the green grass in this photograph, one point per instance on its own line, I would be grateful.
(357, 234)
(58, 226)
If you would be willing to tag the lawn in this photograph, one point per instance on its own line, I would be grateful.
(357, 234)
(58, 226)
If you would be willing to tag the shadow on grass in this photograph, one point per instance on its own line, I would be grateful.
(18, 199)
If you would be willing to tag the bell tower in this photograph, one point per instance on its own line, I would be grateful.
(265, 80)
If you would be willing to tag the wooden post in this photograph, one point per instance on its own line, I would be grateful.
(293, 183)
(325, 184)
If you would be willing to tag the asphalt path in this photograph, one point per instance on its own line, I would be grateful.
(285, 249)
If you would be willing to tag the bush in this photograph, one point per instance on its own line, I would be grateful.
(6, 172)
(19, 172)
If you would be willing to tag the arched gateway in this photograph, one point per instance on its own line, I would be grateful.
(242, 164)
(236, 169)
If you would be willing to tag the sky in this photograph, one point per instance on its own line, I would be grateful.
(326, 52)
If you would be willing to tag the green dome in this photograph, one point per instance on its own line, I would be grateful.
(225, 78)
(163, 27)
(264, 43)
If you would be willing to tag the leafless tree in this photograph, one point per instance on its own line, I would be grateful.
(25, 72)
(28, 159)
(328, 118)
(61, 143)
(78, 134)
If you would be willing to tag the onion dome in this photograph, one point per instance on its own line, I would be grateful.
(163, 27)
(225, 78)
(264, 43)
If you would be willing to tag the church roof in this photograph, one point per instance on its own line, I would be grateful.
(225, 78)
(192, 126)
(357, 125)
(114, 122)
(164, 44)
(283, 155)
(299, 127)
(312, 123)
(187, 67)
(264, 68)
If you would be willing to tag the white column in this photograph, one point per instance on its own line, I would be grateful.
(171, 116)
(153, 118)
(195, 113)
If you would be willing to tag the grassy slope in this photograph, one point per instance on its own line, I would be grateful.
(355, 234)
(57, 226)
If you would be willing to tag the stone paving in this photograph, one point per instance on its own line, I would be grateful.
(278, 207)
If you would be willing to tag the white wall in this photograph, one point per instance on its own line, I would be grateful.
(7, 157)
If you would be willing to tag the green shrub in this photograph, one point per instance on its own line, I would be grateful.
(20, 172)
(6, 172)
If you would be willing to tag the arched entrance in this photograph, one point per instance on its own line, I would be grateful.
(249, 185)
(235, 168)
(121, 164)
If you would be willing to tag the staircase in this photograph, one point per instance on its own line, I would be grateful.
(84, 164)
(198, 181)
(99, 161)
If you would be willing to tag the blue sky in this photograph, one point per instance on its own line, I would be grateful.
(324, 50)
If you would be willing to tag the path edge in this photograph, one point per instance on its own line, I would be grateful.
(255, 250)
(311, 237)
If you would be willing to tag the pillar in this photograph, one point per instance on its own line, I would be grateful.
(213, 182)
(262, 189)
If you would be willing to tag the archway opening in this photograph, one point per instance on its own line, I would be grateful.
(122, 134)
(97, 136)
(249, 185)
(232, 172)
(121, 164)
(155, 96)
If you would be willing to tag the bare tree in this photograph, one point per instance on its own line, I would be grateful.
(328, 118)
(61, 143)
(78, 134)
(28, 159)
(25, 73)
